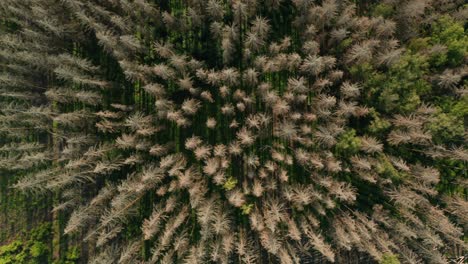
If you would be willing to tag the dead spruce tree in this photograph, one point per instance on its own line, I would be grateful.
(226, 131)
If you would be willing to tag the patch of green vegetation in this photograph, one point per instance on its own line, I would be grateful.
(386, 169)
(348, 143)
(448, 125)
(384, 10)
(389, 258)
(246, 208)
(33, 249)
(452, 35)
(230, 183)
(72, 255)
(378, 124)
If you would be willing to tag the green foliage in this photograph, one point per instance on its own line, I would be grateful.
(389, 258)
(363, 71)
(450, 36)
(38, 249)
(452, 172)
(383, 9)
(348, 143)
(344, 44)
(449, 125)
(450, 33)
(73, 253)
(400, 88)
(387, 170)
(419, 44)
(33, 249)
(41, 232)
(246, 208)
(378, 124)
(13, 247)
(72, 256)
(230, 183)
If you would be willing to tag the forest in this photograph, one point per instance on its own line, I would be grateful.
(233, 131)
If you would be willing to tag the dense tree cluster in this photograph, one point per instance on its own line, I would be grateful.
(241, 131)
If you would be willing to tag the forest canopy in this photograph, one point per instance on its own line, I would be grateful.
(233, 131)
